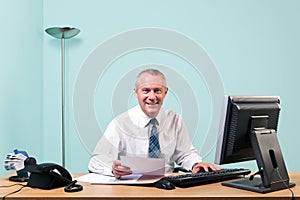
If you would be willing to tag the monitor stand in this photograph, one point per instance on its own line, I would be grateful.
(269, 158)
(256, 185)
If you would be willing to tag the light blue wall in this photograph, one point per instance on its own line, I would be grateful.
(253, 44)
(21, 64)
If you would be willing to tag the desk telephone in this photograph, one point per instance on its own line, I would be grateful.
(49, 175)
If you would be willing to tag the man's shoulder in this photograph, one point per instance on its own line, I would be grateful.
(167, 113)
(122, 115)
(129, 115)
(169, 118)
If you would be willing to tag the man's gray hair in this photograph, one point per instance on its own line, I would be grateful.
(153, 72)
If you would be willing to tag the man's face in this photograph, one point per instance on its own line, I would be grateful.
(150, 93)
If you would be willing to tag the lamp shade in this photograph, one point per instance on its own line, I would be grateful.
(62, 32)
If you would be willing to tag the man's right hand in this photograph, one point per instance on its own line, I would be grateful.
(118, 170)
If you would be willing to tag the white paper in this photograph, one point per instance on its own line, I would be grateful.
(104, 179)
(145, 166)
(144, 171)
(94, 178)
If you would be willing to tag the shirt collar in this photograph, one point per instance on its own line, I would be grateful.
(142, 119)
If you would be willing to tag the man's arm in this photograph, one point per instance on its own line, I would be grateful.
(105, 152)
(187, 155)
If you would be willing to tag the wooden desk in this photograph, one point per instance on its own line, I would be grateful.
(213, 191)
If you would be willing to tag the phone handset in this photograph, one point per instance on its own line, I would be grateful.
(50, 175)
(51, 168)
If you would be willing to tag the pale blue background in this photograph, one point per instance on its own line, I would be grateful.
(254, 44)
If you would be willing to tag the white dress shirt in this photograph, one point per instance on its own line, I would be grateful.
(127, 135)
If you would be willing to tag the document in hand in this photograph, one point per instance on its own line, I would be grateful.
(145, 166)
(144, 171)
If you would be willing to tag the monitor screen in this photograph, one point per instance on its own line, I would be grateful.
(241, 115)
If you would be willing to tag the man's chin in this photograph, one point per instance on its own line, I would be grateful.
(152, 113)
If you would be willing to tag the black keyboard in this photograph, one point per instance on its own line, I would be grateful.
(186, 180)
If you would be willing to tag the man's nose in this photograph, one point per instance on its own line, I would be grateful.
(152, 95)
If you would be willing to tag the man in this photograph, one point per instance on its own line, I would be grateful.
(128, 134)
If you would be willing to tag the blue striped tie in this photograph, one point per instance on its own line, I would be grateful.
(154, 148)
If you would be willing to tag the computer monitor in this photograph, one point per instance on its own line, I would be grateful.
(249, 131)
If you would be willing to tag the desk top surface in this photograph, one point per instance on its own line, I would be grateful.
(209, 191)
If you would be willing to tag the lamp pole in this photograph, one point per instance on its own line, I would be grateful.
(62, 33)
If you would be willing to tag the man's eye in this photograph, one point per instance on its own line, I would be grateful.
(158, 91)
(145, 90)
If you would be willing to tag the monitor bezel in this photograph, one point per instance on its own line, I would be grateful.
(228, 102)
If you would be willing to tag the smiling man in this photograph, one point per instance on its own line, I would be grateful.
(150, 90)
(131, 133)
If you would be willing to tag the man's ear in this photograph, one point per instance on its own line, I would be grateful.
(135, 92)
(167, 89)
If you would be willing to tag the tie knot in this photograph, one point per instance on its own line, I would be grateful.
(153, 121)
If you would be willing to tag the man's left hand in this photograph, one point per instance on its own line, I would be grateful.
(205, 167)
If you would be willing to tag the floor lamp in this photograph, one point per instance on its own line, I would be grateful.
(62, 33)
